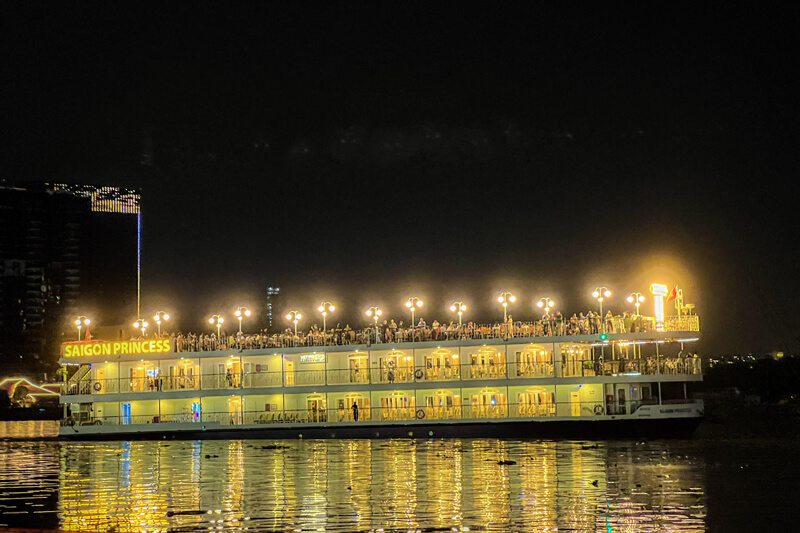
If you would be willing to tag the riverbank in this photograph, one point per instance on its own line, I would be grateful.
(729, 418)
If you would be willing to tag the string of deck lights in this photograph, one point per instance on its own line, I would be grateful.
(506, 298)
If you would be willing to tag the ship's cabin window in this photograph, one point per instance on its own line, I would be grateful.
(573, 357)
(441, 364)
(358, 365)
(442, 404)
(231, 373)
(182, 374)
(487, 363)
(397, 406)
(346, 406)
(536, 401)
(534, 360)
(396, 366)
(489, 403)
(315, 404)
(145, 377)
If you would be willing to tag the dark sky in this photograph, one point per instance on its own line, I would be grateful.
(364, 153)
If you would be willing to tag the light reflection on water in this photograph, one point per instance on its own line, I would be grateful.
(352, 485)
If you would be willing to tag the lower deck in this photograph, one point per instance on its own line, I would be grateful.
(326, 411)
(671, 420)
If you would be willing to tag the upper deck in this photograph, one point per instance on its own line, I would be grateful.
(480, 359)
(203, 345)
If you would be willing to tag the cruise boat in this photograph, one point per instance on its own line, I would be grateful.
(489, 383)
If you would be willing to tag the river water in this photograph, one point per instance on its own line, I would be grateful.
(399, 485)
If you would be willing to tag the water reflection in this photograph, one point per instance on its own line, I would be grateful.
(352, 485)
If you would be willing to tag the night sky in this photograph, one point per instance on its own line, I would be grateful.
(365, 153)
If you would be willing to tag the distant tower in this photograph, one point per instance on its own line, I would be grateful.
(273, 297)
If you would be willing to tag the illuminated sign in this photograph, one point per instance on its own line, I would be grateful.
(96, 348)
(313, 358)
(659, 289)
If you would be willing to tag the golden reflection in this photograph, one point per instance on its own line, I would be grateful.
(490, 483)
(136, 503)
(232, 501)
(362, 485)
(274, 478)
(394, 474)
(357, 476)
(312, 484)
(441, 489)
(580, 469)
(539, 485)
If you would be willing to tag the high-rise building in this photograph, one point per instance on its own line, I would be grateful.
(113, 257)
(64, 250)
(273, 297)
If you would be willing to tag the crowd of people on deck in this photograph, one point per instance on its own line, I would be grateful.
(390, 331)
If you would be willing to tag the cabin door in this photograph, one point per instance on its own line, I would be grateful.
(361, 402)
(622, 404)
(246, 377)
(316, 409)
(235, 411)
(358, 368)
(575, 403)
(289, 373)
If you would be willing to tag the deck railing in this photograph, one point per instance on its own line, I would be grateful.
(444, 374)
(534, 329)
(593, 409)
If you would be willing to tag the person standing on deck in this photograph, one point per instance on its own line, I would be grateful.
(355, 411)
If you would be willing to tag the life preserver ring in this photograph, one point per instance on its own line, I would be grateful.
(420, 414)
(97, 386)
(598, 409)
(418, 373)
